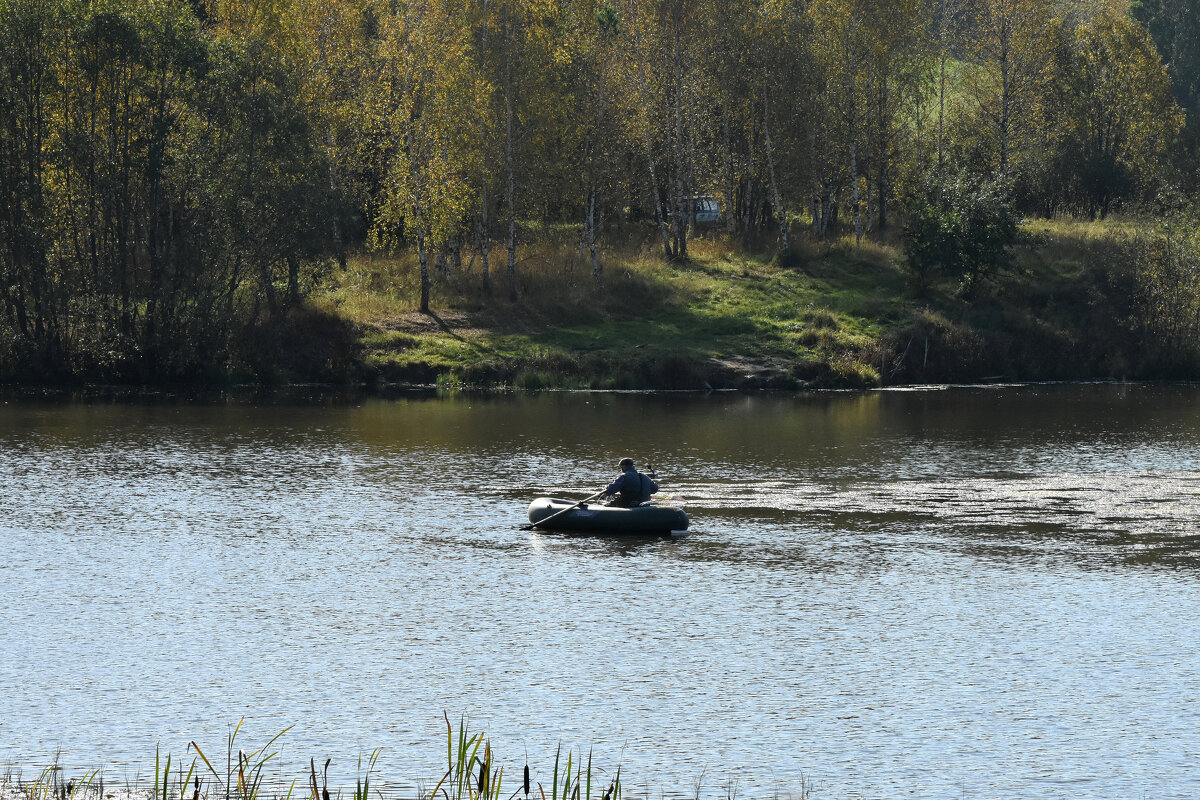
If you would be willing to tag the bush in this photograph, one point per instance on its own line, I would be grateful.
(1167, 295)
(304, 345)
(960, 229)
(931, 348)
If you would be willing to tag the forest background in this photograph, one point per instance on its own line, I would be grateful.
(507, 191)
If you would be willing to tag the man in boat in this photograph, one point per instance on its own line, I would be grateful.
(631, 488)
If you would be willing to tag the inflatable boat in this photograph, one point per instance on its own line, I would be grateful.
(596, 518)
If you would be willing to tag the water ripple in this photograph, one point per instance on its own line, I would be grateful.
(961, 592)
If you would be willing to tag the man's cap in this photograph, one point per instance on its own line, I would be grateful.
(625, 463)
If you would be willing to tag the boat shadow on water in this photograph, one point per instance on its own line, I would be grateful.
(632, 536)
(606, 544)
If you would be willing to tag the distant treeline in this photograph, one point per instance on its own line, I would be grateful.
(175, 174)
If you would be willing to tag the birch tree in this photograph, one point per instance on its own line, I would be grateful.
(641, 99)
(1012, 45)
(842, 43)
(1120, 118)
(428, 86)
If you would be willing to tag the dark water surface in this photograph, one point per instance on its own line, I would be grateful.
(981, 593)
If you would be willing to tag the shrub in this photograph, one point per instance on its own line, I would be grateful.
(960, 229)
(1167, 295)
(932, 348)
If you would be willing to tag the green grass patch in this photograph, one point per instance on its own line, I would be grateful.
(838, 314)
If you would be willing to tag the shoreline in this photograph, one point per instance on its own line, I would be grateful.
(836, 316)
(321, 391)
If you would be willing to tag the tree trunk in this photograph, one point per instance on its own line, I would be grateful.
(485, 241)
(293, 291)
(681, 216)
(941, 107)
(730, 182)
(858, 227)
(869, 206)
(883, 197)
(591, 227)
(816, 183)
(1005, 99)
(339, 243)
(508, 161)
(852, 120)
(690, 163)
(423, 257)
(881, 155)
(870, 150)
(780, 216)
(485, 230)
(657, 199)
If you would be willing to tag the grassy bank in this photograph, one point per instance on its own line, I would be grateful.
(835, 314)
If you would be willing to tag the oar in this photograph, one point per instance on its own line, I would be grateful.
(533, 525)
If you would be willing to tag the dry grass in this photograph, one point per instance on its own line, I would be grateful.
(835, 313)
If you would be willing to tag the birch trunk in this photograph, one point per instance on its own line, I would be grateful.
(775, 199)
(423, 257)
(1005, 97)
(334, 186)
(485, 230)
(591, 226)
(730, 185)
(851, 100)
(680, 218)
(871, 150)
(941, 107)
(690, 162)
(858, 227)
(508, 162)
(485, 241)
(884, 148)
(816, 184)
(655, 195)
(658, 200)
(594, 168)
(869, 206)
(883, 196)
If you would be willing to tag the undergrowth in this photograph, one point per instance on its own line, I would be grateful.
(835, 313)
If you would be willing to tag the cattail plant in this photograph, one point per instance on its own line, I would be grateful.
(472, 772)
(248, 771)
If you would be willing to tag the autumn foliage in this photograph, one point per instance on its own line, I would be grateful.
(175, 175)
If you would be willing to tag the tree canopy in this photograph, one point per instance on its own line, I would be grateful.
(173, 169)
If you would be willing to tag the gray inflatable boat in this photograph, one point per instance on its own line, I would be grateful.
(595, 518)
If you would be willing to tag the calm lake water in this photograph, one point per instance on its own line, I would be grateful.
(980, 593)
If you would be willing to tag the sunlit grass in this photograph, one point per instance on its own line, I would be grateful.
(1084, 229)
(828, 315)
(646, 320)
